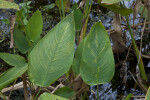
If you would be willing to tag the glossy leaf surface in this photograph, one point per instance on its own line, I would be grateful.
(97, 64)
(48, 96)
(65, 92)
(34, 27)
(20, 41)
(7, 4)
(53, 55)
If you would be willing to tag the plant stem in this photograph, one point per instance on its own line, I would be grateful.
(63, 10)
(3, 96)
(97, 92)
(140, 65)
(84, 27)
(26, 96)
(37, 94)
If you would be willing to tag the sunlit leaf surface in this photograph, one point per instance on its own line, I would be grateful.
(97, 64)
(53, 55)
(7, 4)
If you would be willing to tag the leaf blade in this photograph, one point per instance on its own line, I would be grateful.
(20, 41)
(65, 92)
(97, 64)
(13, 59)
(11, 75)
(118, 9)
(48, 96)
(34, 27)
(8, 4)
(55, 53)
(148, 94)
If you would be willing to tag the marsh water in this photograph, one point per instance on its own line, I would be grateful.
(116, 89)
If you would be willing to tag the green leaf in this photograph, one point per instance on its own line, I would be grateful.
(13, 59)
(118, 9)
(97, 64)
(8, 4)
(34, 27)
(48, 96)
(20, 41)
(77, 59)
(148, 94)
(128, 97)
(49, 6)
(10, 75)
(111, 1)
(65, 92)
(6, 21)
(78, 16)
(53, 55)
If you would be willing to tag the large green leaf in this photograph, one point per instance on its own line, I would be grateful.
(118, 9)
(13, 59)
(10, 75)
(97, 64)
(53, 55)
(78, 16)
(65, 92)
(8, 4)
(148, 94)
(48, 96)
(20, 41)
(34, 27)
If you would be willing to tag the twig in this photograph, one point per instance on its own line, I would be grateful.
(16, 87)
(3, 96)
(58, 86)
(12, 89)
(125, 27)
(77, 92)
(138, 83)
(141, 40)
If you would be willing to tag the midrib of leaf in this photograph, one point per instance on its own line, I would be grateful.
(53, 55)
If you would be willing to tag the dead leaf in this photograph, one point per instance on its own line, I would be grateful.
(117, 23)
(123, 73)
(117, 35)
(118, 43)
(78, 84)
